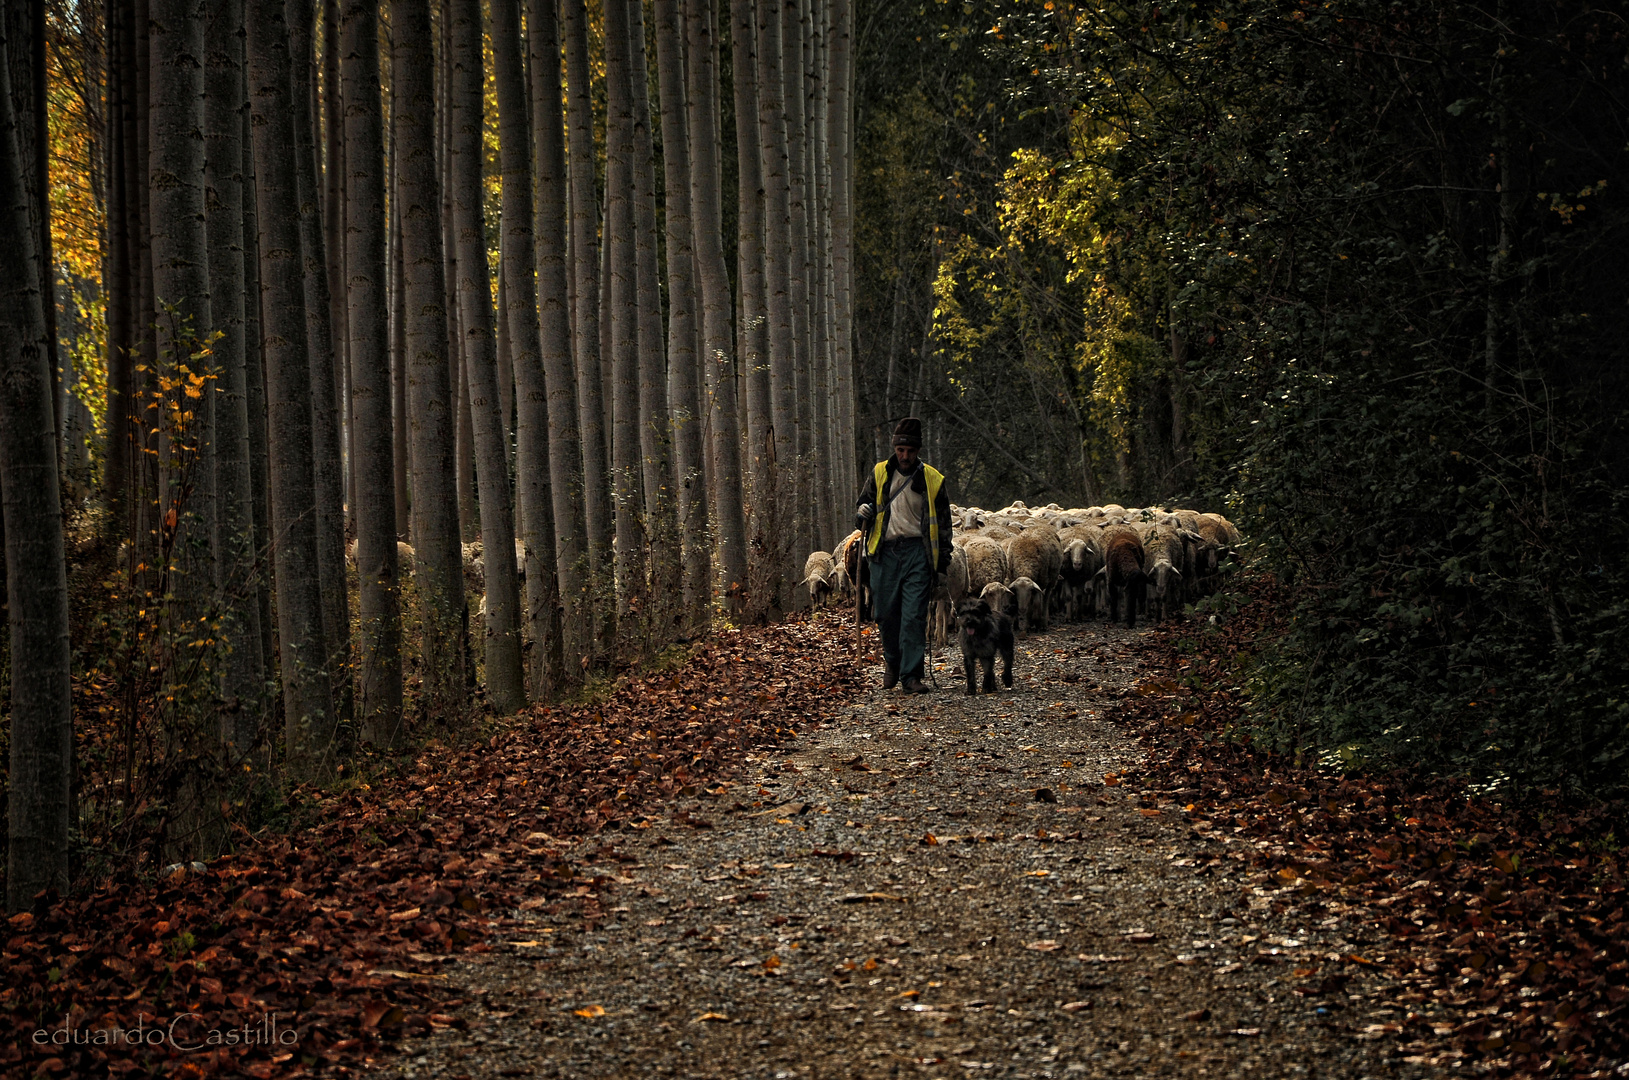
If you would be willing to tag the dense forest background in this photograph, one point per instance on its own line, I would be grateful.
(1353, 272)
(1354, 269)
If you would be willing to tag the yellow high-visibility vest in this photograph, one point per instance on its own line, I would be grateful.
(878, 520)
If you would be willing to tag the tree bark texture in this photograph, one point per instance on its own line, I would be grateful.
(332, 201)
(718, 346)
(379, 667)
(402, 469)
(553, 304)
(254, 392)
(586, 316)
(505, 685)
(839, 125)
(439, 569)
(121, 282)
(307, 698)
(149, 479)
(327, 465)
(180, 250)
(534, 475)
(684, 400)
(828, 503)
(665, 594)
(623, 313)
(41, 736)
(778, 283)
(235, 572)
(794, 41)
(753, 356)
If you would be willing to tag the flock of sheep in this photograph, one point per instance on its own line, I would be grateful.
(1051, 562)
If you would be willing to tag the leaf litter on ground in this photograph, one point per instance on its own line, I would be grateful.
(330, 933)
(1506, 927)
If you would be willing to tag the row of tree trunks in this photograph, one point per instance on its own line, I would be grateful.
(660, 446)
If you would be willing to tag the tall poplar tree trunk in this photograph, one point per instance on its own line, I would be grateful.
(307, 698)
(505, 684)
(655, 424)
(534, 475)
(778, 281)
(586, 315)
(718, 347)
(438, 571)
(180, 249)
(753, 350)
(327, 466)
(331, 189)
(794, 30)
(839, 125)
(684, 401)
(149, 481)
(506, 358)
(828, 527)
(254, 394)
(469, 527)
(41, 735)
(622, 276)
(224, 88)
(379, 668)
(559, 386)
(608, 388)
(121, 282)
(25, 21)
(402, 465)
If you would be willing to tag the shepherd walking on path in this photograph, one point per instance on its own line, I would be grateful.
(905, 513)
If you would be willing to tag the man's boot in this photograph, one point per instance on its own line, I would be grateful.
(890, 676)
(914, 685)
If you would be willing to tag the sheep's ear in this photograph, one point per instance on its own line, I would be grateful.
(1176, 573)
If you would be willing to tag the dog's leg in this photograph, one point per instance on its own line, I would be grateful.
(967, 669)
(988, 663)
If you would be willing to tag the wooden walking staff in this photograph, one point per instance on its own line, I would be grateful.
(859, 628)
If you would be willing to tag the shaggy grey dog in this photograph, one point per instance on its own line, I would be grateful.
(983, 633)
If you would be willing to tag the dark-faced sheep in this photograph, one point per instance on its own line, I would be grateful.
(986, 562)
(1031, 601)
(1162, 551)
(1087, 561)
(1122, 572)
(1074, 579)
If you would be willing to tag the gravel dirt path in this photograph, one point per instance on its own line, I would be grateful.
(933, 886)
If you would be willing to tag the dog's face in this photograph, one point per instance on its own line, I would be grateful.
(973, 616)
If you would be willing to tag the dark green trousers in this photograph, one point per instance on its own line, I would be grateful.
(902, 582)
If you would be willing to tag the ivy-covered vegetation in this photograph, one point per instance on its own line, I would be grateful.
(1358, 268)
